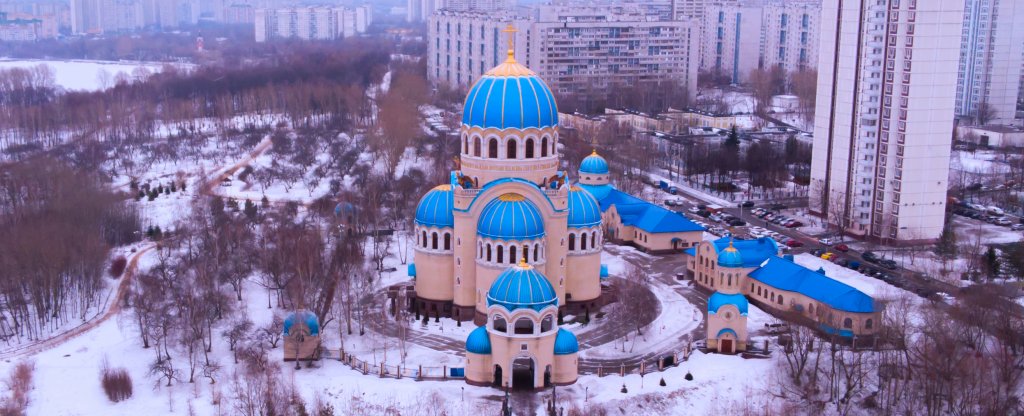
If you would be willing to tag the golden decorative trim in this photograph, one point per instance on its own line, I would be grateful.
(442, 188)
(512, 198)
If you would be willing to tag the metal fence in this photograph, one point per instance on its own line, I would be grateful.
(417, 372)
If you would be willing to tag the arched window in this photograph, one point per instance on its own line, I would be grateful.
(488, 251)
(583, 241)
(529, 148)
(423, 241)
(780, 299)
(772, 297)
(847, 323)
(593, 239)
(730, 279)
(465, 144)
(476, 147)
(447, 241)
(512, 255)
(492, 148)
(526, 253)
(480, 249)
(524, 326)
(546, 323)
(868, 324)
(501, 253)
(433, 241)
(759, 291)
(510, 149)
(499, 323)
(810, 309)
(544, 147)
(536, 252)
(572, 241)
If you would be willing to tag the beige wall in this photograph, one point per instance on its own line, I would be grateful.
(728, 316)
(566, 369)
(648, 241)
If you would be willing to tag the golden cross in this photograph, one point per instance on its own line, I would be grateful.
(510, 30)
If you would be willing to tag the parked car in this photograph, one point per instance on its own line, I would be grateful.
(672, 203)
(853, 265)
(1005, 222)
(795, 224)
(828, 256)
(870, 256)
(889, 264)
(1017, 227)
(778, 206)
(994, 210)
(842, 247)
(794, 243)
(828, 241)
(817, 252)
(841, 261)
(747, 204)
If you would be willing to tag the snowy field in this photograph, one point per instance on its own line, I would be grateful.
(87, 75)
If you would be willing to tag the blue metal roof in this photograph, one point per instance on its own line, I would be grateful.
(594, 164)
(478, 341)
(522, 286)
(502, 102)
(727, 331)
(730, 257)
(411, 269)
(566, 343)
(645, 215)
(786, 275)
(754, 252)
(306, 317)
(598, 191)
(511, 217)
(692, 251)
(604, 271)
(584, 211)
(718, 300)
(435, 208)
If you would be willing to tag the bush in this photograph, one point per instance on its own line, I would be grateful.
(18, 385)
(117, 266)
(117, 384)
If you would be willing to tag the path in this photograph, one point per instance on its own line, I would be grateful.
(113, 308)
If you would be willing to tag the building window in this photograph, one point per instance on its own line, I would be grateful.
(868, 324)
(847, 323)
(524, 326)
(572, 241)
(501, 253)
(447, 241)
(499, 323)
(492, 149)
(529, 148)
(510, 149)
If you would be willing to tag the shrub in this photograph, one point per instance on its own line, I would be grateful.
(117, 383)
(18, 387)
(117, 266)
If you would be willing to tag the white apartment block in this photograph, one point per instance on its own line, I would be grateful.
(884, 116)
(692, 8)
(311, 23)
(421, 10)
(740, 37)
(990, 59)
(99, 16)
(572, 48)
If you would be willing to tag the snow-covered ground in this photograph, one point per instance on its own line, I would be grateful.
(89, 75)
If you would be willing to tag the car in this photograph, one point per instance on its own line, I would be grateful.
(703, 213)
(994, 210)
(828, 241)
(694, 210)
(853, 265)
(889, 264)
(828, 255)
(842, 247)
(794, 243)
(736, 222)
(671, 203)
(1005, 222)
(778, 207)
(795, 224)
(841, 261)
(817, 252)
(1017, 227)
(747, 204)
(870, 256)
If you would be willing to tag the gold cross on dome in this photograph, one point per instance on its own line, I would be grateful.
(511, 31)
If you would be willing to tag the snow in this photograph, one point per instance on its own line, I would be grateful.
(870, 286)
(85, 75)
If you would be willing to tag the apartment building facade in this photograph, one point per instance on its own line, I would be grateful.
(991, 49)
(884, 116)
(311, 23)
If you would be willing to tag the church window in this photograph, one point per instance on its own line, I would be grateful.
(546, 324)
(730, 279)
(524, 326)
(583, 241)
(512, 254)
(572, 241)
(536, 251)
(810, 309)
(476, 147)
(759, 291)
(529, 148)
(447, 241)
(544, 147)
(433, 241)
(847, 323)
(526, 253)
(868, 324)
(501, 254)
(423, 241)
(593, 238)
(772, 297)
(499, 323)
(488, 251)
(465, 144)
(510, 149)
(780, 299)
(492, 149)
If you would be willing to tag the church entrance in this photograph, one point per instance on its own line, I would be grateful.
(523, 373)
(547, 376)
(497, 376)
(726, 346)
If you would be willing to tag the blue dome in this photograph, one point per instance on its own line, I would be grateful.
(479, 342)
(584, 211)
(306, 317)
(594, 164)
(435, 208)
(598, 191)
(510, 96)
(730, 257)
(344, 208)
(511, 217)
(718, 300)
(566, 343)
(522, 287)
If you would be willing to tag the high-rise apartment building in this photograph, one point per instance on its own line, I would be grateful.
(884, 116)
(573, 48)
(311, 23)
(990, 60)
(692, 8)
(420, 10)
(99, 16)
(742, 36)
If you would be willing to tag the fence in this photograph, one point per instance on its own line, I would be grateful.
(417, 372)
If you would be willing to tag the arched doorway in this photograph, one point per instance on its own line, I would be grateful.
(497, 376)
(523, 369)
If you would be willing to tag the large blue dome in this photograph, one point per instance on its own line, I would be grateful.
(478, 342)
(584, 211)
(594, 164)
(510, 96)
(435, 208)
(305, 317)
(522, 287)
(511, 217)
(566, 343)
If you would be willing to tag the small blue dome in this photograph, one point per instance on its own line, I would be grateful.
(594, 164)
(521, 287)
(511, 217)
(510, 96)
(584, 211)
(718, 300)
(479, 342)
(566, 343)
(306, 317)
(435, 208)
(730, 257)
(344, 208)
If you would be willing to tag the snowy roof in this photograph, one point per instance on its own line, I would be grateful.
(786, 275)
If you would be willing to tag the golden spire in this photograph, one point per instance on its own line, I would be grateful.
(594, 152)
(511, 31)
(730, 248)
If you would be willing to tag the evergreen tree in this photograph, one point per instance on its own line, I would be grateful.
(265, 203)
(250, 210)
(732, 143)
(946, 247)
(149, 232)
(233, 204)
(157, 233)
(991, 262)
(217, 208)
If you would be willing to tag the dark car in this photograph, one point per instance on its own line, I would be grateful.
(736, 222)
(842, 262)
(778, 206)
(747, 204)
(889, 264)
(817, 252)
(870, 256)
(704, 213)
